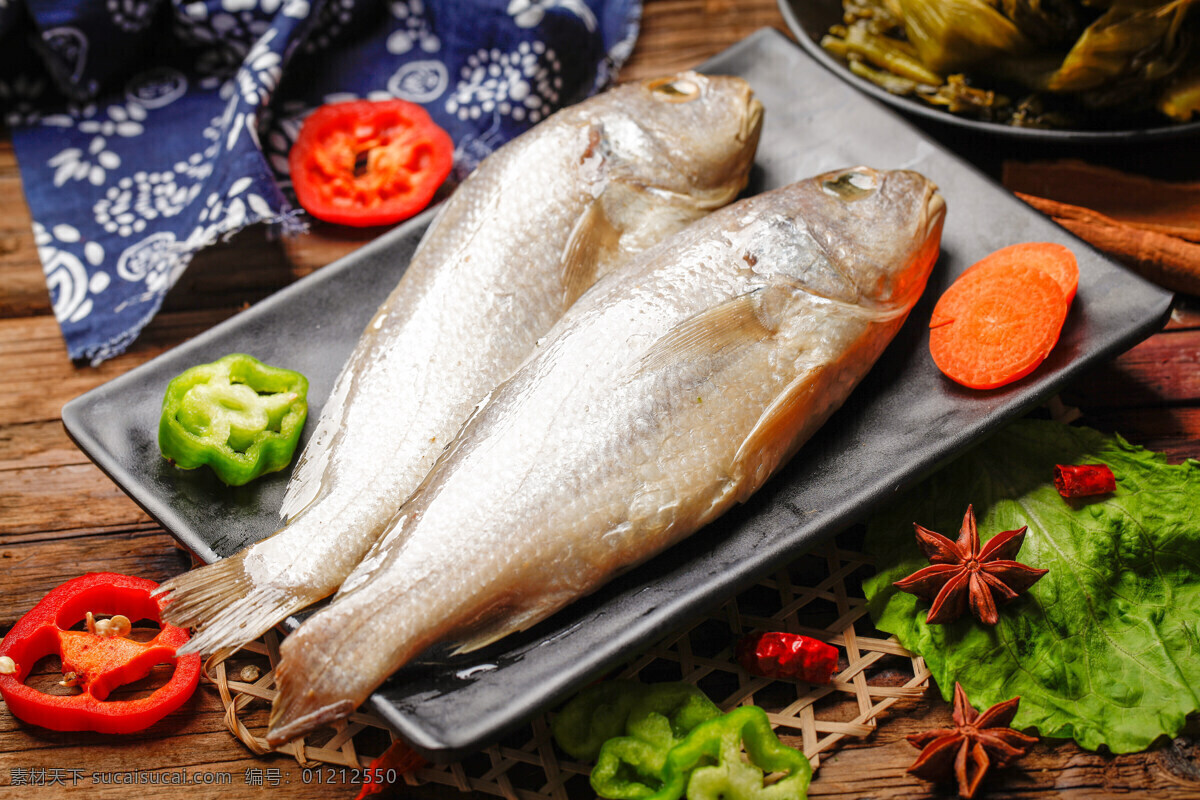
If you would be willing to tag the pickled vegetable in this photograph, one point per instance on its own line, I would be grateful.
(1033, 63)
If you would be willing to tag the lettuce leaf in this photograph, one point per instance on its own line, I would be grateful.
(1106, 648)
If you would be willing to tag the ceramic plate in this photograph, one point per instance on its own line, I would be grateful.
(903, 421)
(809, 20)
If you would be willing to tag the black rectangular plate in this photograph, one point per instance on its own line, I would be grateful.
(903, 421)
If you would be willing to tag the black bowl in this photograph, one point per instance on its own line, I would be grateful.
(809, 20)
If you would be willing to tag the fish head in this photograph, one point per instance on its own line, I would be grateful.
(688, 136)
(881, 230)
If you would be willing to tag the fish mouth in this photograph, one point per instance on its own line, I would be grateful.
(935, 209)
(751, 120)
(747, 140)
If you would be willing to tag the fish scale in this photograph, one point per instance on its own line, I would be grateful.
(511, 249)
(672, 389)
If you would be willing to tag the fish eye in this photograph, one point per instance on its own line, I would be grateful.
(675, 90)
(851, 185)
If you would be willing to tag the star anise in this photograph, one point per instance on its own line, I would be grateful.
(961, 572)
(975, 743)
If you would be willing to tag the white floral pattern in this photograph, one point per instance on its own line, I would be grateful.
(71, 45)
(523, 84)
(414, 28)
(159, 259)
(130, 15)
(117, 120)
(283, 135)
(92, 163)
(19, 97)
(419, 81)
(136, 200)
(234, 28)
(156, 87)
(128, 186)
(529, 13)
(152, 260)
(66, 276)
(226, 214)
(335, 16)
(74, 164)
(260, 72)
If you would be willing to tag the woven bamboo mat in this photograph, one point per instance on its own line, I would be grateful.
(818, 595)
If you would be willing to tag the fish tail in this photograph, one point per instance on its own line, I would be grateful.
(302, 704)
(225, 607)
(297, 711)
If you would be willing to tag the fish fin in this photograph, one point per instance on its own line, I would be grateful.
(309, 472)
(482, 641)
(591, 239)
(743, 320)
(289, 718)
(778, 433)
(224, 606)
(314, 684)
(323, 716)
(644, 218)
(508, 625)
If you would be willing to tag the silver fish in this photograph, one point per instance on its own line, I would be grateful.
(672, 389)
(512, 248)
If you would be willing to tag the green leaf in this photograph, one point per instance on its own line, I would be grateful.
(1104, 649)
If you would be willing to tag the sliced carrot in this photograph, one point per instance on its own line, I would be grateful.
(1054, 259)
(996, 324)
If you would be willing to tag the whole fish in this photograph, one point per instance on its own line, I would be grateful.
(533, 227)
(669, 391)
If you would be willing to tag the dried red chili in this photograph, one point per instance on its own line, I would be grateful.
(97, 660)
(787, 655)
(391, 765)
(1083, 480)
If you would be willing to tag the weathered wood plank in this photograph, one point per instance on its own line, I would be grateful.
(25, 292)
(63, 517)
(681, 34)
(20, 270)
(1174, 431)
(59, 498)
(1161, 371)
(192, 739)
(37, 444)
(123, 528)
(31, 569)
(37, 378)
(323, 244)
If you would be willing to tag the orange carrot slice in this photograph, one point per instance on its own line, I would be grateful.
(1054, 259)
(996, 324)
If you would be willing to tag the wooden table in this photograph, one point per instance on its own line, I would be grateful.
(61, 516)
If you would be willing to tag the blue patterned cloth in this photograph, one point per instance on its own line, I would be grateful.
(146, 130)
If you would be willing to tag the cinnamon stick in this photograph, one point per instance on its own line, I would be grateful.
(1164, 207)
(1170, 261)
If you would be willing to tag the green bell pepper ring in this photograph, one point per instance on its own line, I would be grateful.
(631, 767)
(709, 764)
(238, 415)
(595, 715)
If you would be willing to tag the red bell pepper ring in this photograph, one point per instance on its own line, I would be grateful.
(100, 664)
(369, 162)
